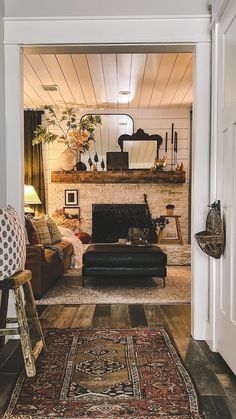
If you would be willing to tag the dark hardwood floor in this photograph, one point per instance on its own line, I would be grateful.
(215, 382)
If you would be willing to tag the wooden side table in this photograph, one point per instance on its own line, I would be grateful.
(172, 240)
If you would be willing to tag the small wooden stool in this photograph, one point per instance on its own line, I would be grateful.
(171, 240)
(25, 312)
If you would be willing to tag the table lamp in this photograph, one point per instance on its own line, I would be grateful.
(30, 198)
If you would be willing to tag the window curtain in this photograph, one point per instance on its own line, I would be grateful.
(33, 157)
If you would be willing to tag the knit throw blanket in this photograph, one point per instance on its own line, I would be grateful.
(68, 236)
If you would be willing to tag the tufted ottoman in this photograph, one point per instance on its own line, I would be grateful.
(113, 259)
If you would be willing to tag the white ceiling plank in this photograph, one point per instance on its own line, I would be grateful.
(56, 73)
(33, 79)
(148, 83)
(184, 86)
(124, 62)
(175, 79)
(82, 69)
(110, 76)
(136, 78)
(28, 102)
(97, 76)
(188, 98)
(68, 69)
(40, 69)
(33, 94)
(166, 67)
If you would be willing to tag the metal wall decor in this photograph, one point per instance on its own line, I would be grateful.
(212, 240)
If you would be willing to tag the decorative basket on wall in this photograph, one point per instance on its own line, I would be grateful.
(212, 240)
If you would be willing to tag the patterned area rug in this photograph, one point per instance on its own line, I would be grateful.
(69, 289)
(134, 373)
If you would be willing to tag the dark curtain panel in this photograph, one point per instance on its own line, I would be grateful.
(33, 157)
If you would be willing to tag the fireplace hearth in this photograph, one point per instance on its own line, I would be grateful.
(111, 222)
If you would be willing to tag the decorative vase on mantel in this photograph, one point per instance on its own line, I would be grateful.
(80, 166)
(68, 159)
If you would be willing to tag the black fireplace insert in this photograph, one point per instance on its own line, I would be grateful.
(111, 222)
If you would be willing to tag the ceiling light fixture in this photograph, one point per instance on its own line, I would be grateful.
(50, 87)
(124, 92)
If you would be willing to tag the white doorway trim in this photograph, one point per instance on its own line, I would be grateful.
(185, 30)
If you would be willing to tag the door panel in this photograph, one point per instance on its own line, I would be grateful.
(226, 138)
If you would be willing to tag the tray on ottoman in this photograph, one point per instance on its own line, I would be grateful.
(124, 260)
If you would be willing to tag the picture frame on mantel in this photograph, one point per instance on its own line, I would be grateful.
(71, 198)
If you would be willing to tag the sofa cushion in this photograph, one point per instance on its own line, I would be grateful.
(53, 229)
(12, 243)
(41, 227)
(127, 256)
(32, 234)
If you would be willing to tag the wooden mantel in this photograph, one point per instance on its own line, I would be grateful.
(125, 176)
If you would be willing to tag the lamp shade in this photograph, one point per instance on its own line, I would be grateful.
(30, 195)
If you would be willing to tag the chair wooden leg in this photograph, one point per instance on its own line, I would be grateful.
(164, 281)
(24, 334)
(31, 313)
(3, 316)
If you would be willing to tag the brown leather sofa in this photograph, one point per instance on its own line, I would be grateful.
(46, 265)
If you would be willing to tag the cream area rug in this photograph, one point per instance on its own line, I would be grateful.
(69, 290)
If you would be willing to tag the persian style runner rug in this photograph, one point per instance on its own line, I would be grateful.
(134, 373)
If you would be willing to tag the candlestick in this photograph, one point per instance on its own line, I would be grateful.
(176, 142)
(172, 133)
(166, 142)
(175, 146)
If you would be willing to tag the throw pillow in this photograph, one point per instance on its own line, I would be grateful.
(84, 237)
(12, 243)
(32, 234)
(53, 229)
(41, 227)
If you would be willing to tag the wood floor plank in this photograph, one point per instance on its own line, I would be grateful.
(65, 317)
(182, 345)
(7, 383)
(120, 316)
(40, 309)
(84, 316)
(199, 368)
(228, 382)
(176, 325)
(102, 316)
(216, 407)
(137, 316)
(216, 361)
(184, 311)
(50, 314)
(155, 316)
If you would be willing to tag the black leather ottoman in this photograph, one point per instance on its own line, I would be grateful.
(124, 260)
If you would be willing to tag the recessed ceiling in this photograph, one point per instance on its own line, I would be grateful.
(94, 81)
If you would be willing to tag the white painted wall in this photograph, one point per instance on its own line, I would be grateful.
(27, 8)
(2, 115)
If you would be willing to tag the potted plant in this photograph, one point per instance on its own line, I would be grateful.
(170, 209)
(75, 133)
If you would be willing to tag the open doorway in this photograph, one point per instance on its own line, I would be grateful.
(154, 89)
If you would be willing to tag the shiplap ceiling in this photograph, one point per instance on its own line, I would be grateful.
(93, 81)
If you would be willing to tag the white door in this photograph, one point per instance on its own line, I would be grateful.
(226, 186)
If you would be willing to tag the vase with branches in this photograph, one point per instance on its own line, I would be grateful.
(73, 132)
